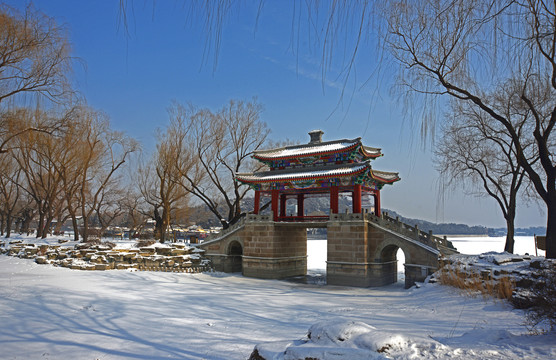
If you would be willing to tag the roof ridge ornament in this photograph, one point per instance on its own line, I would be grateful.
(316, 136)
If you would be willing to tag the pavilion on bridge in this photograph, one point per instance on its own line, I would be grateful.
(319, 168)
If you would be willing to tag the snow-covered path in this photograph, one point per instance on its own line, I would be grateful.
(58, 313)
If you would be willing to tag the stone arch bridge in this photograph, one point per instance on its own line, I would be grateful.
(361, 249)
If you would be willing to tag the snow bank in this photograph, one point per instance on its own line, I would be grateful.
(355, 340)
(339, 339)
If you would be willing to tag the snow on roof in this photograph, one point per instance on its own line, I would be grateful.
(304, 173)
(328, 147)
(317, 172)
(305, 150)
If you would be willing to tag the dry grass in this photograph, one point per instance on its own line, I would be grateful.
(475, 283)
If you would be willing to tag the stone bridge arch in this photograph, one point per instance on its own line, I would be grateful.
(234, 254)
(389, 254)
(226, 250)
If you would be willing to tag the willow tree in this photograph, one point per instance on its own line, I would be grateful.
(211, 147)
(36, 154)
(472, 51)
(101, 153)
(157, 182)
(34, 60)
(11, 177)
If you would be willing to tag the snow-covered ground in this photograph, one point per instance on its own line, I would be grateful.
(48, 312)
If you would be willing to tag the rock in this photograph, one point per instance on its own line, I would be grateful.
(525, 283)
(31, 251)
(536, 264)
(177, 252)
(255, 355)
(164, 251)
(65, 263)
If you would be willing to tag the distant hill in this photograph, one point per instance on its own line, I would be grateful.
(463, 229)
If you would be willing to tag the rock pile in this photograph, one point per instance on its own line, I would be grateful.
(175, 258)
(503, 275)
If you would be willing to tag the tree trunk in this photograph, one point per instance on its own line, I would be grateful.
(158, 226)
(46, 227)
(510, 229)
(41, 225)
(26, 221)
(551, 226)
(75, 228)
(8, 225)
(166, 225)
(85, 233)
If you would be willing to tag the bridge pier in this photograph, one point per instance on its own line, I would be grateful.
(416, 273)
(274, 250)
(350, 259)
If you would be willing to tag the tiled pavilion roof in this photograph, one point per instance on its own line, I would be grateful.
(316, 149)
(318, 172)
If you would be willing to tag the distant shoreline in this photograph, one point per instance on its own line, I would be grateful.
(463, 235)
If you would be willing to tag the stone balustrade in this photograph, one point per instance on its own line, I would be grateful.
(413, 232)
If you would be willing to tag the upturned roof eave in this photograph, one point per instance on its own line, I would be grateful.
(375, 176)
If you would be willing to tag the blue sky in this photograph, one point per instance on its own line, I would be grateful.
(133, 78)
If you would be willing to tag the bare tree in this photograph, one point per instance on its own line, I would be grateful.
(212, 148)
(110, 207)
(159, 187)
(34, 60)
(35, 154)
(470, 50)
(26, 214)
(11, 177)
(474, 150)
(133, 217)
(101, 153)
(34, 55)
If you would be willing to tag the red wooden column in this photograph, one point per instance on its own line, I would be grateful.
(334, 193)
(274, 194)
(283, 205)
(300, 201)
(356, 199)
(257, 202)
(377, 203)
